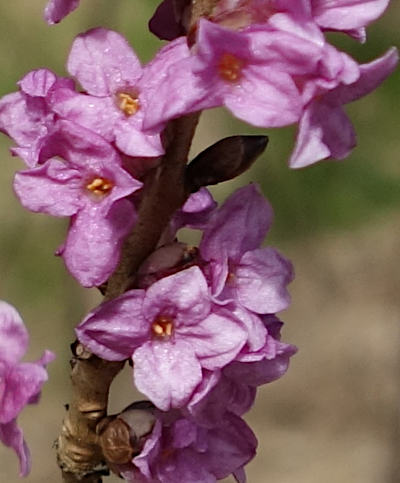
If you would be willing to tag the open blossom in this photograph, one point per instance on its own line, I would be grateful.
(20, 382)
(26, 115)
(324, 130)
(227, 69)
(89, 185)
(115, 100)
(238, 269)
(172, 331)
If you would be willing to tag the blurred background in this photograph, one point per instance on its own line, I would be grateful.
(334, 418)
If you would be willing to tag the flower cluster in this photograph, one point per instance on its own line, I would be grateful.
(198, 323)
(20, 382)
(268, 62)
(204, 338)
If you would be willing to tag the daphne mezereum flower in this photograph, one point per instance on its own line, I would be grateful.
(228, 68)
(81, 177)
(324, 130)
(20, 382)
(172, 331)
(26, 116)
(349, 16)
(238, 268)
(178, 449)
(114, 103)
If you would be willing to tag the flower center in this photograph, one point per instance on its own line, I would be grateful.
(128, 103)
(100, 186)
(162, 326)
(230, 67)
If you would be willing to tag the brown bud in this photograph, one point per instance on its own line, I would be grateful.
(122, 437)
(115, 441)
(224, 160)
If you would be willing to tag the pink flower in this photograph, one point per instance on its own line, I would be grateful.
(26, 115)
(180, 450)
(238, 269)
(115, 100)
(232, 69)
(20, 382)
(172, 331)
(325, 130)
(89, 185)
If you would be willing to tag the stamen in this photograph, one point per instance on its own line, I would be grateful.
(128, 103)
(230, 279)
(230, 67)
(100, 186)
(162, 326)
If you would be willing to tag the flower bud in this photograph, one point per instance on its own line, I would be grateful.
(224, 160)
(123, 436)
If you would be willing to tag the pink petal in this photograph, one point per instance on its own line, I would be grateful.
(56, 10)
(11, 435)
(372, 75)
(37, 83)
(130, 139)
(23, 383)
(347, 14)
(53, 188)
(183, 295)
(238, 226)
(324, 131)
(265, 98)
(103, 61)
(166, 372)
(92, 248)
(261, 279)
(13, 334)
(116, 328)
(216, 340)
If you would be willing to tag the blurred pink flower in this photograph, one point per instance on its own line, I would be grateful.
(20, 382)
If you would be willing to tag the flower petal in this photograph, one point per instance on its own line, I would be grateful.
(53, 188)
(166, 372)
(183, 296)
(116, 328)
(238, 226)
(261, 279)
(22, 384)
(92, 249)
(11, 435)
(13, 334)
(103, 61)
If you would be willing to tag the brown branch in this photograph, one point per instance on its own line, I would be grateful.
(164, 192)
(79, 456)
(78, 452)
